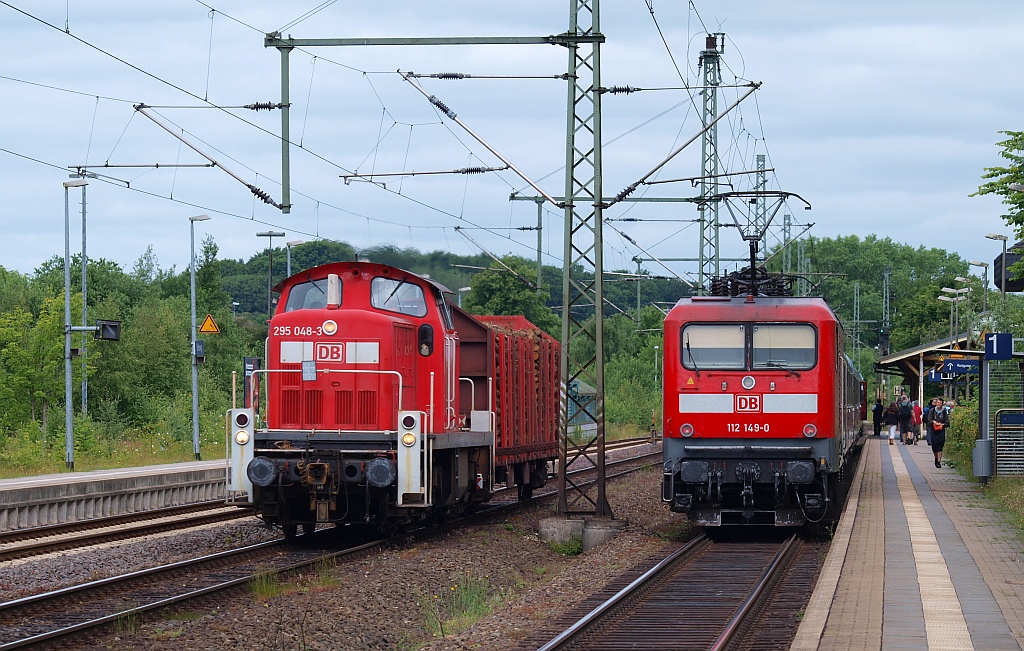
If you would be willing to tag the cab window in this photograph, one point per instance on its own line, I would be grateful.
(784, 345)
(397, 296)
(712, 346)
(310, 295)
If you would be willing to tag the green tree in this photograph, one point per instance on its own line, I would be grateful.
(509, 290)
(1001, 177)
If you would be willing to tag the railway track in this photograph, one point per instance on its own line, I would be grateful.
(702, 595)
(44, 619)
(23, 543)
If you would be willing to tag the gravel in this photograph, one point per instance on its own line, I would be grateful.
(388, 601)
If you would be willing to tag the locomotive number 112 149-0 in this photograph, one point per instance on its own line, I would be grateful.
(755, 428)
(301, 331)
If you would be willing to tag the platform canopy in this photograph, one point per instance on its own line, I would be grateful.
(909, 363)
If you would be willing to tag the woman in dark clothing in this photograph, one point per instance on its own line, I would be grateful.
(891, 420)
(876, 416)
(937, 421)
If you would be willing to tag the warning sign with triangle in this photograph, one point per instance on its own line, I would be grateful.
(209, 327)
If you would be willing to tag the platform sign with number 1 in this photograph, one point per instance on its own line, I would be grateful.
(998, 345)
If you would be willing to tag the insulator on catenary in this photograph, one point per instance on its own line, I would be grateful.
(450, 75)
(441, 107)
(262, 195)
(262, 106)
(622, 90)
(472, 170)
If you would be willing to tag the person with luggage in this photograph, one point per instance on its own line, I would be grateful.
(891, 421)
(906, 413)
(937, 421)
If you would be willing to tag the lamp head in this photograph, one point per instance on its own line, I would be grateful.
(199, 218)
(996, 236)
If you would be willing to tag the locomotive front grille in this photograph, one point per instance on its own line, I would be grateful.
(343, 411)
(366, 406)
(314, 407)
(291, 406)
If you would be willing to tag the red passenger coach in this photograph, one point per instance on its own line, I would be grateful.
(761, 408)
(385, 404)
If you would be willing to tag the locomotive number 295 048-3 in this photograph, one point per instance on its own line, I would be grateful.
(301, 331)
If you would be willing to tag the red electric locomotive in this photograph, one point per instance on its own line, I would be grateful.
(761, 409)
(385, 404)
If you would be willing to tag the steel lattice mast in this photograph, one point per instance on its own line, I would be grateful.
(582, 284)
(710, 61)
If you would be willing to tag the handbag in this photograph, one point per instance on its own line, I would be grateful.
(938, 427)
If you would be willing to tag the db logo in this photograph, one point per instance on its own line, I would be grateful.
(330, 353)
(748, 403)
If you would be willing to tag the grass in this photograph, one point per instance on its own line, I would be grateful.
(28, 456)
(467, 600)
(571, 547)
(266, 585)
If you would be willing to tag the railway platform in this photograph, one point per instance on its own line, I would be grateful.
(69, 497)
(920, 560)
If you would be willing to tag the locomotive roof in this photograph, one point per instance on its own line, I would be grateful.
(722, 306)
(339, 267)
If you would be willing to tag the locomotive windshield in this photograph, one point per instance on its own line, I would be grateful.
(745, 346)
(397, 296)
(311, 295)
(783, 345)
(707, 346)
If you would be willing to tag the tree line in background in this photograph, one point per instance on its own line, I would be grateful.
(139, 388)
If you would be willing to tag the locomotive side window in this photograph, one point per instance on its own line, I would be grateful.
(310, 295)
(397, 296)
(708, 346)
(784, 345)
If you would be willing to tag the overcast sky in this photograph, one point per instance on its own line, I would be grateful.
(882, 115)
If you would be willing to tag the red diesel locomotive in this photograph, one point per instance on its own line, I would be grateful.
(761, 409)
(385, 404)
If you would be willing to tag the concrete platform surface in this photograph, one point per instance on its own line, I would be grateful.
(921, 560)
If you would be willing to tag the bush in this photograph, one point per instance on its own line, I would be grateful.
(963, 431)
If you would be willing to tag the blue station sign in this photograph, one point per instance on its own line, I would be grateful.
(960, 366)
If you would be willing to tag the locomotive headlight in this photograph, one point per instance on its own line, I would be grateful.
(810, 431)
(329, 327)
(686, 430)
(408, 439)
(241, 437)
(747, 382)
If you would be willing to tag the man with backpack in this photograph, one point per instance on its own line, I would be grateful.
(906, 413)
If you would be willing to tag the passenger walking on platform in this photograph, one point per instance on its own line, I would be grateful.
(906, 412)
(937, 421)
(891, 420)
(876, 416)
(917, 421)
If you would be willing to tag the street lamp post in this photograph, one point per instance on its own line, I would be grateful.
(950, 301)
(85, 304)
(288, 258)
(956, 295)
(984, 283)
(270, 235)
(461, 291)
(195, 363)
(69, 427)
(1002, 264)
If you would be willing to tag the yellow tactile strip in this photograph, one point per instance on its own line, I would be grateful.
(943, 619)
